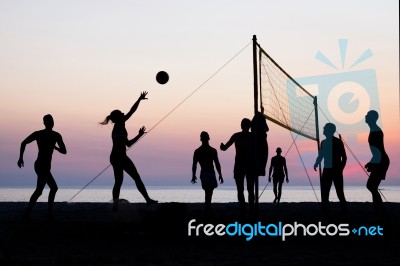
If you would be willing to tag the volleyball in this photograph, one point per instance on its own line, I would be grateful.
(162, 77)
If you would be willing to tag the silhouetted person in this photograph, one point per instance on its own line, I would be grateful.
(259, 129)
(47, 140)
(244, 167)
(379, 163)
(206, 156)
(334, 155)
(279, 169)
(118, 158)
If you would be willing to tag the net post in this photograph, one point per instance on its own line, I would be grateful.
(317, 137)
(255, 68)
(255, 74)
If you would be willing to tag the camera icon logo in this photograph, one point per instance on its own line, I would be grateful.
(344, 97)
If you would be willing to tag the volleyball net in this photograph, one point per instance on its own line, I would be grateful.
(284, 101)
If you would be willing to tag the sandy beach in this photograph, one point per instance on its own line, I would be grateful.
(91, 234)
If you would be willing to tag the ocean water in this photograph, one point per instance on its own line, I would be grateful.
(192, 194)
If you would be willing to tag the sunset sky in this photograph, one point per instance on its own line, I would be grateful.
(79, 60)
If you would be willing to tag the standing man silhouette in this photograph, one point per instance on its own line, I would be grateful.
(206, 156)
(47, 141)
(278, 166)
(244, 167)
(334, 155)
(379, 163)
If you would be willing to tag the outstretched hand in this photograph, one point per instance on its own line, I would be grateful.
(142, 130)
(143, 95)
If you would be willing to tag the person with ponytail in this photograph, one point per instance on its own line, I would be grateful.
(118, 158)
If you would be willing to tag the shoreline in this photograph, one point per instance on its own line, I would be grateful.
(91, 234)
(193, 194)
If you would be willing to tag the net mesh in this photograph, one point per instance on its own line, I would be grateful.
(283, 101)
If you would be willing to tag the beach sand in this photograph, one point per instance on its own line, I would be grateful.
(91, 234)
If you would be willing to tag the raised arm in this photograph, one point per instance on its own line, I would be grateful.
(226, 146)
(136, 105)
(29, 139)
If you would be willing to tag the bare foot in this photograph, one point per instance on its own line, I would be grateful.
(151, 201)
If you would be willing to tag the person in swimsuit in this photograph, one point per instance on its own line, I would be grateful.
(118, 158)
(379, 163)
(279, 169)
(47, 140)
(206, 156)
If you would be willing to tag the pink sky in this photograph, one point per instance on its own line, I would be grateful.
(79, 63)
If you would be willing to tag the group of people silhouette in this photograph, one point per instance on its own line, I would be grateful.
(48, 140)
(250, 161)
(334, 155)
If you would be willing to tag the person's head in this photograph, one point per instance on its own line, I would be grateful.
(48, 121)
(115, 117)
(278, 151)
(371, 117)
(245, 124)
(329, 129)
(204, 137)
